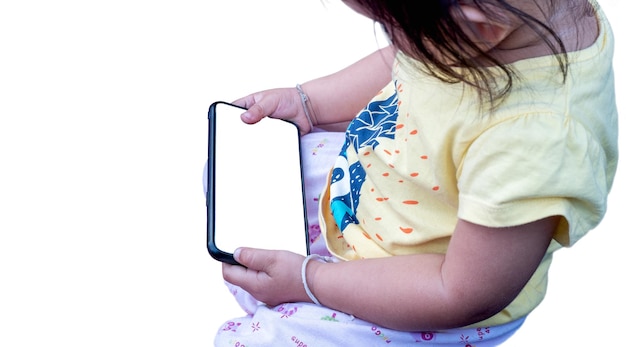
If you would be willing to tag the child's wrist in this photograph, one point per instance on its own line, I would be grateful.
(307, 107)
(310, 265)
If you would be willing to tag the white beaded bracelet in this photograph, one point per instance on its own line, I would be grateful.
(303, 272)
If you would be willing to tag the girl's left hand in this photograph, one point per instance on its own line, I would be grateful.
(273, 277)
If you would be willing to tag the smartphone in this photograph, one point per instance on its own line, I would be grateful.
(255, 188)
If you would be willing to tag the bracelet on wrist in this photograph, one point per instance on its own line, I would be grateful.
(306, 106)
(303, 273)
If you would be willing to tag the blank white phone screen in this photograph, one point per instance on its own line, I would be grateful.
(258, 187)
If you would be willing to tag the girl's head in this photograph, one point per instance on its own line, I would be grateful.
(471, 34)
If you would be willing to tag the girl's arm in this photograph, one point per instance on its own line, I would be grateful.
(334, 98)
(482, 272)
(340, 96)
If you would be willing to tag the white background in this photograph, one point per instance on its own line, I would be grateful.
(102, 144)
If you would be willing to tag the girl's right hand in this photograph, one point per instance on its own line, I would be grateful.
(281, 103)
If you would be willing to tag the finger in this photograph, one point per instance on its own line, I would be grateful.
(259, 105)
(247, 101)
(254, 114)
(254, 259)
(237, 275)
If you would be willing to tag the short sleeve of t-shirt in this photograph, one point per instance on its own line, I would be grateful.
(534, 166)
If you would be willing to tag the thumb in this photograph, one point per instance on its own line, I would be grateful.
(258, 105)
(252, 258)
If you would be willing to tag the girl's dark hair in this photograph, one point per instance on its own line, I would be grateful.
(433, 21)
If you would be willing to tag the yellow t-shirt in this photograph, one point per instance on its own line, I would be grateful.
(423, 154)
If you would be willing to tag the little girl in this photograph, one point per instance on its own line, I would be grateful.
(482, 140)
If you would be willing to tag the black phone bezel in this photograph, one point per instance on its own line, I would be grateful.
(212, 248)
